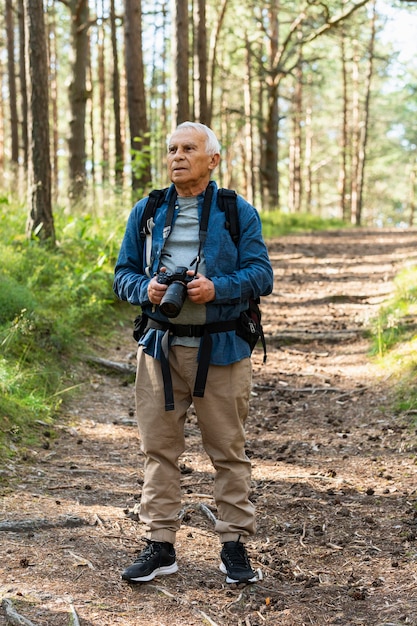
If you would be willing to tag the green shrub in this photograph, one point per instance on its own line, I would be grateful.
(14, 298)
(276, 223)
(51, 301)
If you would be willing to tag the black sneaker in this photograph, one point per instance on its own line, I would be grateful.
(157, 559)
(235, 563)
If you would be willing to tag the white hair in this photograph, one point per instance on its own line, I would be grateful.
(212, 143)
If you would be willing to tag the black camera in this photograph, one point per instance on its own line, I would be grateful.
(174, 297)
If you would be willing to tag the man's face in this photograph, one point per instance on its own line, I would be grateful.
(189, 165)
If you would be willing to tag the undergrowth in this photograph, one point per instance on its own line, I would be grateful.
(277, 223)
(394, 339)
(52, 300)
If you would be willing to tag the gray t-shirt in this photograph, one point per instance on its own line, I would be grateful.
(181, 249)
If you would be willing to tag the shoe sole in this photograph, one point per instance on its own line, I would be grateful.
(159, 571)
(230, 581)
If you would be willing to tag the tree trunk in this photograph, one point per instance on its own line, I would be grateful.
(40, 221)
(101, 52)
(53, 64)
(294, 201)
(180, 55)
(23, 84)
(136, 101)
(249, 173)
(213, 60)
(159, 112)
(308, 154)
(90, 116)
(363, 139)
(200, 63)
(270, 151)
(14, 122)
(119, 158)
(355, 137)
(342, 183)
(412, 194)
(78, 98)
(2, 146)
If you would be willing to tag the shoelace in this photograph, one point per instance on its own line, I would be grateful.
(148, 552)
(237, 555)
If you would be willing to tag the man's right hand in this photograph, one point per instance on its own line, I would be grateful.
(156, 290)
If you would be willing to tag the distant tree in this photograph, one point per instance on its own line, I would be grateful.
(40, 221)
(361, 131)
(136, 100)
(298, 122)
(212, 60)
(23, 83)
(344, 146)
(284, 33)
(53, 95)
(11, 63)
(118, 142)
(78, 96)
(180, 59)
(200, 62)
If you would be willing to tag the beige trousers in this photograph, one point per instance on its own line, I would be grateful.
(221, 418)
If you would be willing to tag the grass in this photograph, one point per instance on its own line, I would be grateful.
(52, 300)
(276, 223)
(394, 339)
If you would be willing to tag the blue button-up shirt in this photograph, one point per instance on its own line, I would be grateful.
(238, 271)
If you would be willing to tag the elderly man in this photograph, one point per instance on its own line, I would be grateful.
(193, 352)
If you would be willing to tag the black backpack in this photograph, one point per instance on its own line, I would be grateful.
(250, 327)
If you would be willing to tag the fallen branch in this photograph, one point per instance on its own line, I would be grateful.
(202, 507)
(12, 616)
(309, 389)
(74, 621)
(300, 336)
(206, 617)
(66, 521)
(206, 511)
(81, 560)
(122, 368)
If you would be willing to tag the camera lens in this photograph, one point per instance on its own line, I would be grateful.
(171, 303)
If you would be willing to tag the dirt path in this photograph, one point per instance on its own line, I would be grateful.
(334, 475)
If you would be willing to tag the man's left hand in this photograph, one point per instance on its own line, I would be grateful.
(201, 290)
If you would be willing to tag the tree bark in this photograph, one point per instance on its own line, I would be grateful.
(342, 184)
(118, 142)
(78, 98)
(200, 62)
(180, 56)
(363, 138)
(11, 61)
(103, 101)
(53, 64)
(269, 166)
(295, 184)
(23, 84)
(40, 221)
(136, 101)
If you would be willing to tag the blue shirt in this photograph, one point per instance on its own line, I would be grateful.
(238, 271)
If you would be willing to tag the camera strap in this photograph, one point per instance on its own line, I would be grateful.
(205, 214)
(204, 331)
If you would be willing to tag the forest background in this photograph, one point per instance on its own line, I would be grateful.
(314, 104)
(313, 107)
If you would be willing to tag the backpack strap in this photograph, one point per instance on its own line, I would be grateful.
(227, 201)
(155, 199)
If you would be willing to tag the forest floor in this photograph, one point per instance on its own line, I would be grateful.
(334, 474)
